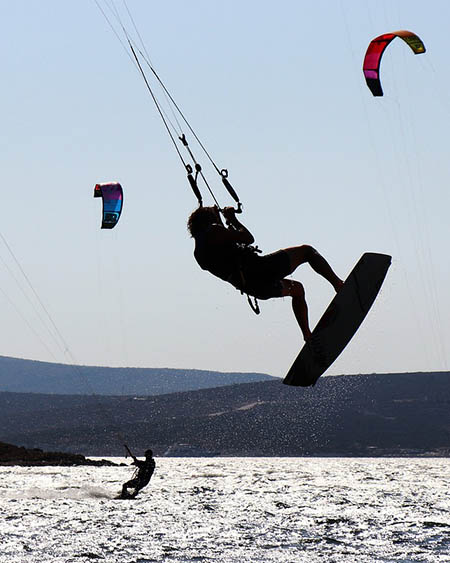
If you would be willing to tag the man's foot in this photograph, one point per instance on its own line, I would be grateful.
(337, 286)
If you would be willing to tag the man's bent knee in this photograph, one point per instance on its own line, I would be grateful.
(300, 254)
(309, 251)
(293, 288)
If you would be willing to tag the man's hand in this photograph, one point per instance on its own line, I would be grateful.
(229, 213)
(236, 229)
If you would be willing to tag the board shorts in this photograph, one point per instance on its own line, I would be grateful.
(262, 275)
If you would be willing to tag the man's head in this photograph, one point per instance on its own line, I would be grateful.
(148, 454)
(202, 218)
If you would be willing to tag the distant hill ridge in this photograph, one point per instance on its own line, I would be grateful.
(31, 376)
(368, 415)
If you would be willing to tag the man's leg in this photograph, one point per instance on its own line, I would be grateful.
(128, 485)
(300, 254)
(296, 290)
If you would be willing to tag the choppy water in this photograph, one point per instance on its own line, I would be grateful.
(231, 510)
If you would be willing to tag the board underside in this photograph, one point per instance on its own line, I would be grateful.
(340, 321)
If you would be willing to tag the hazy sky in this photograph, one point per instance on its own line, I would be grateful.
(276, 92)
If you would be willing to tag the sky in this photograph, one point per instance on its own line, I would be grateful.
(276, 93)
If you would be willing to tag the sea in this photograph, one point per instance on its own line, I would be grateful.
(386, 510)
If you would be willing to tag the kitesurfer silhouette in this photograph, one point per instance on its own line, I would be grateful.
(141, 477)
(226, 252)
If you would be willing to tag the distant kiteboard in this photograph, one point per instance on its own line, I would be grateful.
(340, 321)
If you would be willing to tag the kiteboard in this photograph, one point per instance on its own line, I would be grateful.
(340, 321)
(126, 496)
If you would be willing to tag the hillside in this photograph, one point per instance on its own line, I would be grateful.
(399, 414)
(29, 376)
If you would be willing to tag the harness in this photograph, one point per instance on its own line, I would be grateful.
(253, 304)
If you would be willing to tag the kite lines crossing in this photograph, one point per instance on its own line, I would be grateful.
(138, 54)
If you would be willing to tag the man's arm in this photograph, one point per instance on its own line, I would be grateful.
(131, 454)
(237, 230)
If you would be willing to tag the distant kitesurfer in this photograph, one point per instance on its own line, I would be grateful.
(142, 475)
(227, 252)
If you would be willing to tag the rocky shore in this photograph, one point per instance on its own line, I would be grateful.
(16, 455)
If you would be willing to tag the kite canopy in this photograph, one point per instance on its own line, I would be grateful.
(372, 60)
(112, 196)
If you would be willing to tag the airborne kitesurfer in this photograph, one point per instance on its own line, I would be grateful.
(142, 475)
(227, 253)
